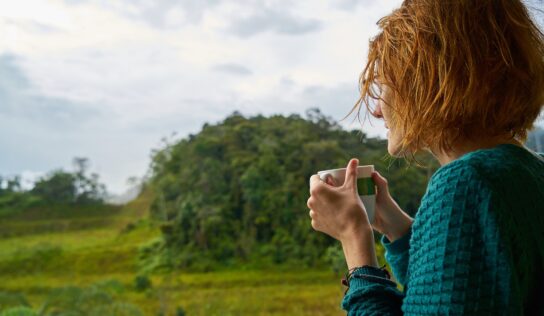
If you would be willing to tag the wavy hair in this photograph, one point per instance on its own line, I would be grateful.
(456, 69)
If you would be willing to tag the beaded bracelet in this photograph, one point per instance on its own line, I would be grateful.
(349, 274)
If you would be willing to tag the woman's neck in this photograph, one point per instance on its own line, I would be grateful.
(464, 147)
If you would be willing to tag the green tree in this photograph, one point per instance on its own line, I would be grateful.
(59, 186)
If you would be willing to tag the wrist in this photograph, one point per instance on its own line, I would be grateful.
(356, 231)
(359, 249)
(401, 228)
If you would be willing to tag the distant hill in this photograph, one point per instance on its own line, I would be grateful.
(237, 190)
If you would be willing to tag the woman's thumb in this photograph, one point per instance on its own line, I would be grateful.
(380, 182)
(351, 174)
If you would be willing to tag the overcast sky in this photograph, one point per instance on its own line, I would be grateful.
(108, 79)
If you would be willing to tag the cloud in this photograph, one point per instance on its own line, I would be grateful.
(27, 25)
(337, 101)
(273, 20)
(167, 14)
(349, 5)
(12, 81)
(233, 69)
(163, 14)
(19, 99)
(286, 96)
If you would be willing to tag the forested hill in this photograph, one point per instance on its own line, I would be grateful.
(237, 190)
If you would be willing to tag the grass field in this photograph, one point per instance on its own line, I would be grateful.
(217, 293)
(48, 250)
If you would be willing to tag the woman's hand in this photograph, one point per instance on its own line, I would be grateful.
(389, 219)
(337, 211)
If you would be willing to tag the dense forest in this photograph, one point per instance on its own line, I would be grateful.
(237, 191)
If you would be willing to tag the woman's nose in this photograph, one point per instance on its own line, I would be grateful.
(377, 113)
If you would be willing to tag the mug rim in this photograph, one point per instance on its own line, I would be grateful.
(359, 168)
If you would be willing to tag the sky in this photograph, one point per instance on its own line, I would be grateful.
(107, 80)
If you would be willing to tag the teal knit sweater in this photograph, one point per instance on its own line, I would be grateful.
(476, 246)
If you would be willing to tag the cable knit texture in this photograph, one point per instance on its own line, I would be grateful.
(476, 246)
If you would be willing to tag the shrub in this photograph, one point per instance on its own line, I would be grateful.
(180, 311)
(142, 283)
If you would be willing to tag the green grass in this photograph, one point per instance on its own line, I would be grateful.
(218, 293)
(45, 251)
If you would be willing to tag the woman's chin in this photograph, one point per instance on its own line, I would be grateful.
(393, 148)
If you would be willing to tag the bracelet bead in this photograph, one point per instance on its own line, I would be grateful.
(366, 268)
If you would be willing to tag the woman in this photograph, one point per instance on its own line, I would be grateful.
(464, 80)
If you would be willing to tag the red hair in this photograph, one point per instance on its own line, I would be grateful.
(456, 70)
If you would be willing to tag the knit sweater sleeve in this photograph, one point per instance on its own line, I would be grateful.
(397, 254)
(443, 273)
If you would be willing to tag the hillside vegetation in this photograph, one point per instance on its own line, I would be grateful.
(236, 192)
